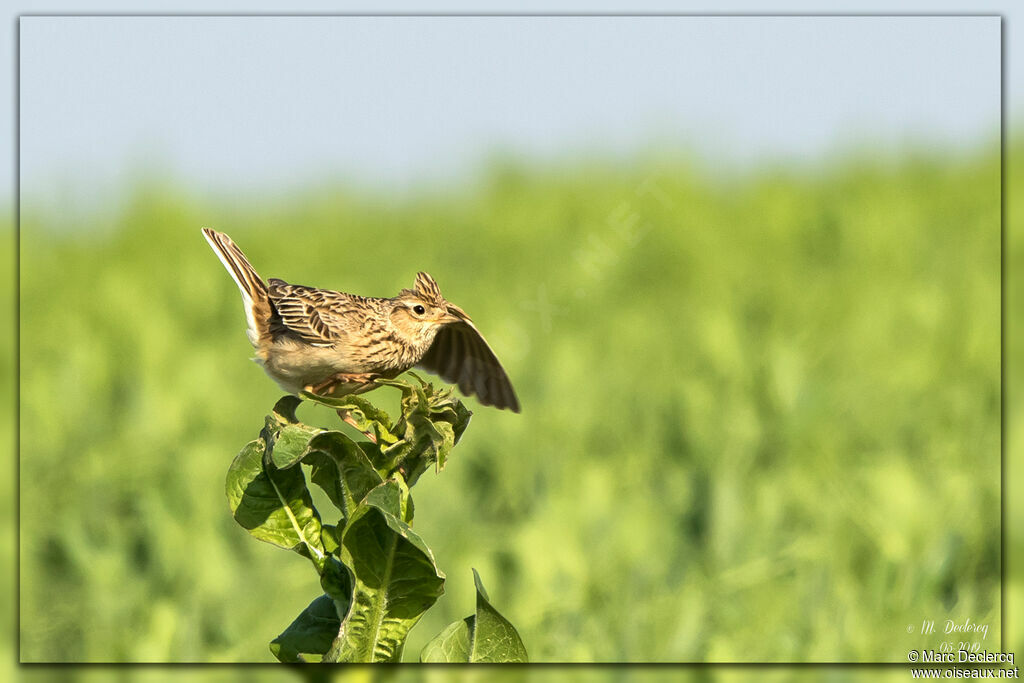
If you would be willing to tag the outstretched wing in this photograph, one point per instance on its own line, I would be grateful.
(314, 315)
(462, 356)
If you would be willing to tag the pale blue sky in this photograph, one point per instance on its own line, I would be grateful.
(272, 103)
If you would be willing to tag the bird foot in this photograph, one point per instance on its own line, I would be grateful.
(351, 383)
(342, 384)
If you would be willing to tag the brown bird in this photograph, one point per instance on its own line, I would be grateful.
(334, 343)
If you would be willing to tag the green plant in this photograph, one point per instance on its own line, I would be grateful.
(378, 575)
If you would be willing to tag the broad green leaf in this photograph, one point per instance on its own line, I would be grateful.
(356, 470)
(285, 409)
(495, 639)
(288, 444)
(312, 632)
(336, 580)
(341, 468)
(396, 578)
(452, 645)
(323, 472)
(286, 437)
(273, 505)
(485, 637)
(329, 538)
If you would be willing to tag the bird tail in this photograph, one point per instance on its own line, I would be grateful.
(255, 296)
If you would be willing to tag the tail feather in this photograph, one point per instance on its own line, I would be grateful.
(255, 296)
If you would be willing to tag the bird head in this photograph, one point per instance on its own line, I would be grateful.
(418, 313)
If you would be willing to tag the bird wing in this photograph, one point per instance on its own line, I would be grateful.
(317, 316)
(461, 355)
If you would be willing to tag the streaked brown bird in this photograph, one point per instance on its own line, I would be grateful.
(334, 343)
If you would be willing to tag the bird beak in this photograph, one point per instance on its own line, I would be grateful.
(455, 315)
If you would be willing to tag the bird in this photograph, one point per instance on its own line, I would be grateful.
(331, 343)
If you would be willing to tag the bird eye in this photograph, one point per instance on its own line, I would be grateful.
(419, 310)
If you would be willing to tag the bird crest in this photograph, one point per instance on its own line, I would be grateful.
(426, 288)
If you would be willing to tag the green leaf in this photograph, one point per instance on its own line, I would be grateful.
(390, 456)
(288, 445)
(396, 578)
(312, 632)
(286, 437)
(342, 469)
(284, 409)
(495, 639)
(434, 440)
(337, 583)
(329, 538)
(452, 645)
(274, 505)
(486, 637)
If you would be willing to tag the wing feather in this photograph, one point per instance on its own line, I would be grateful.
(461, 355)
(314, 315)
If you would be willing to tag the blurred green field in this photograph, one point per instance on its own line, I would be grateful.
(760, 416)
